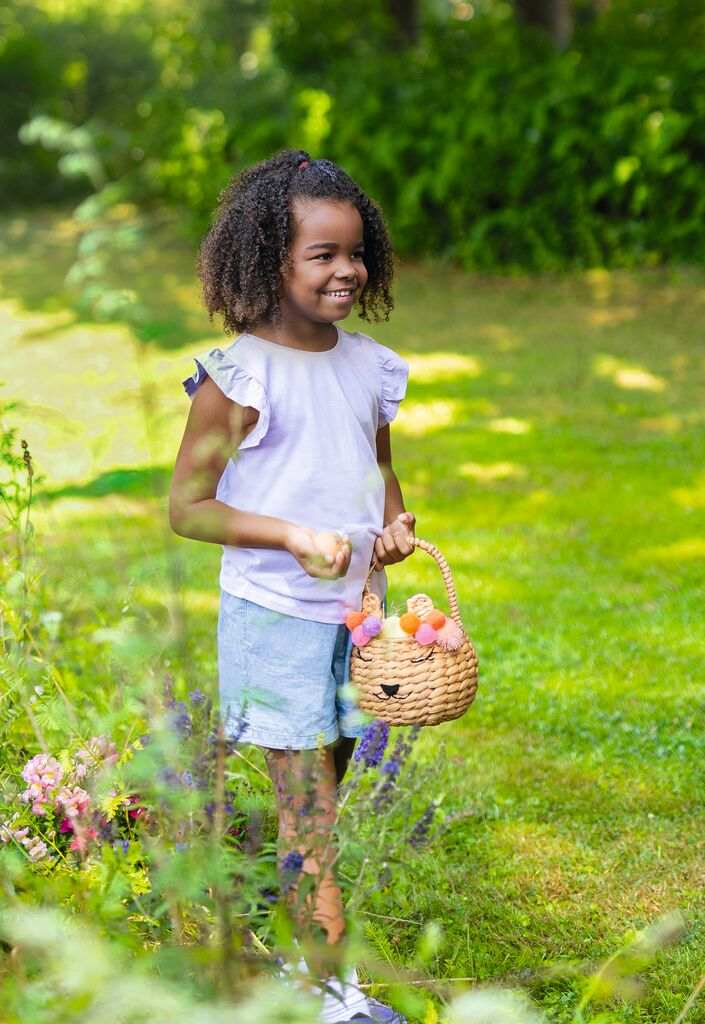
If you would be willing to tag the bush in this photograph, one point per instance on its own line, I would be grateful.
(484, 144)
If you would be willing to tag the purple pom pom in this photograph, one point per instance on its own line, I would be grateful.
(372, 626)
(360, 637)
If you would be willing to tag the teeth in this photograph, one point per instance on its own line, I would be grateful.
(347, 292)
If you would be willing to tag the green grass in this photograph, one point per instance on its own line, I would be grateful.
(552, 446)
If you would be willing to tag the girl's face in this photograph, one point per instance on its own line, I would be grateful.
(327, 270)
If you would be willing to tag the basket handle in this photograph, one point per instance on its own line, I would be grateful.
(432, 550)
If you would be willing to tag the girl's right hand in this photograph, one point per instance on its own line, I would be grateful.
(311, 552)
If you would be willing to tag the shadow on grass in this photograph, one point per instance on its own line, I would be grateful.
(145, 482)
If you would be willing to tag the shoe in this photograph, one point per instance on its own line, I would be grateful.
(381, 1014)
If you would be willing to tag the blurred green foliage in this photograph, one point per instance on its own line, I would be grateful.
(484, 144)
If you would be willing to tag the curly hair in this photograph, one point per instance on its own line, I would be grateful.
(241, 259)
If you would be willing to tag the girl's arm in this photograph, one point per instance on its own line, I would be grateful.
(396, 541)
(215, 427)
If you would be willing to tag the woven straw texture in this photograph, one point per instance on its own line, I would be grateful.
(405, 683)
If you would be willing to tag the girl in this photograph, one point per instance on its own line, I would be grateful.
(286, 462)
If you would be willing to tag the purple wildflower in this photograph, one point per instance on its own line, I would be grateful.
(197, 696)
(169, 777)
(181, 719)
(372, 743)
(235, 725)
(291, 866)
(419, 833)
(122, 844)
(293, 861)
(392, 767)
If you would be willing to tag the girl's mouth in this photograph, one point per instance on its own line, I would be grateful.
(341, 294)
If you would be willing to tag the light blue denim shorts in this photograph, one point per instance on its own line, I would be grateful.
(284, 681)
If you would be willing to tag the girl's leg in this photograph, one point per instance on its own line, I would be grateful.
(342, 752)
(305, 785)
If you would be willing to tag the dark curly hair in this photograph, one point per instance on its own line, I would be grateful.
(241, 259)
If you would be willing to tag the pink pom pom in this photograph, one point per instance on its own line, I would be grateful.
(425, 634)
(372, 626)
(360, 637)
(450, 636)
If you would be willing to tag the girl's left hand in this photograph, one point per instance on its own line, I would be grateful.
(396, 541)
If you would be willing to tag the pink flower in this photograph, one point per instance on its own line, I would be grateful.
(66, 826)
(8, 831)
(99, 749)
(43, 770)
(82, 838)
(72, 800)
(36, 848)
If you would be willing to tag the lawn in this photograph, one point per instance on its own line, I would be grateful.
(551, 445)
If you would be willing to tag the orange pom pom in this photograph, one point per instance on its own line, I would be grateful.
(353, 619)
(409, 622)
(435, 619)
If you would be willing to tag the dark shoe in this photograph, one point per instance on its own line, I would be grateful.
(383, 1014)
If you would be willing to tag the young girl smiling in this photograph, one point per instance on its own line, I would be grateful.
(286, 462)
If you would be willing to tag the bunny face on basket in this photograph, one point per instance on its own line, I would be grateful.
(421, 625)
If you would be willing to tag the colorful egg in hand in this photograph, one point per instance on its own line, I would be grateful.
(329, 544)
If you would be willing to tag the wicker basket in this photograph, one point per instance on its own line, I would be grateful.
(404, 683)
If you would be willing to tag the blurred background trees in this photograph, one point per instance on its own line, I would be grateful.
(539, 134)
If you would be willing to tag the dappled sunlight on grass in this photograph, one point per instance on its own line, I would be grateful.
(502, 337)
(19, 324)
(685, 550)
(415, 419)
(612, 317)
(509, 425)
(489, 473)
(439, 366)
(690, 498)
(625, 375)
(666, 424)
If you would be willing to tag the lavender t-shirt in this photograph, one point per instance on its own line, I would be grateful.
(311, 458)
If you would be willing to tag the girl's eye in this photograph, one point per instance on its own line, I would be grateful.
(326, 255)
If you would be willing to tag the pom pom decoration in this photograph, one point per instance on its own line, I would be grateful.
(409, 622)
(391, 630)
(450, 636)
(425, 634)
(435, 619)
(360, 637)
(371, 626)
(353, 619)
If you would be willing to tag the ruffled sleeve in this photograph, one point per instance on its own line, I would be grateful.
(394, 374)
(236, 383)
